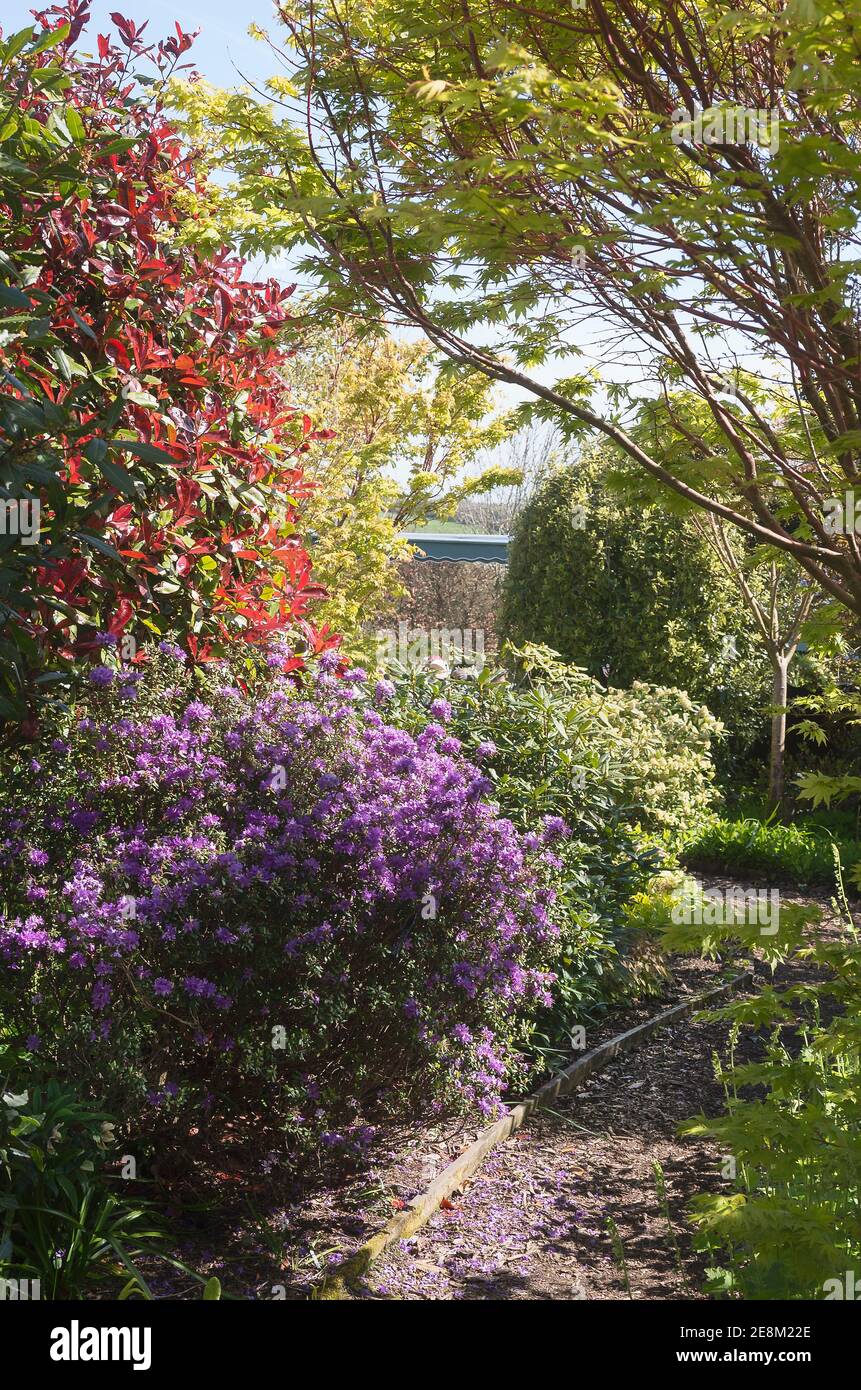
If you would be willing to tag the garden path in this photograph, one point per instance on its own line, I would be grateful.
(572, 1207)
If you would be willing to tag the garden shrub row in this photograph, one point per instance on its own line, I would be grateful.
(287, 904)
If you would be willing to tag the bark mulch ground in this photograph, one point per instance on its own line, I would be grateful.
(569, 1208)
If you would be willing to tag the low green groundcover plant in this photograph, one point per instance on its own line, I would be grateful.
(798, 853)
(252, 904)
(62, 1227)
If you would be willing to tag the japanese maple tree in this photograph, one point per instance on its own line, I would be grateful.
(597, 204)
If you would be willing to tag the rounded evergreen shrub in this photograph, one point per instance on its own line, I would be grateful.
(631, 594)
(265, 908)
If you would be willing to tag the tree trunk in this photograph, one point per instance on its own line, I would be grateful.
(778, 731)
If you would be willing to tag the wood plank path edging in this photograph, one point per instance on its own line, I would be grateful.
(421, 1208)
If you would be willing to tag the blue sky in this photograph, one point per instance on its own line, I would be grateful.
(222, 46)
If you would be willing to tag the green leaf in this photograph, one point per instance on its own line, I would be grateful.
(98, 543)
(121, 479)
(150, 453)
(15, 298)
(117, 476)
(82, 324)
(14, 44)
(50, 38)
(10, 165)
(75, 125)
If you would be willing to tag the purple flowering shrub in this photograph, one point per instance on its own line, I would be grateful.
(267, 910)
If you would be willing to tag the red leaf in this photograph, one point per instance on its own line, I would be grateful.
(122, 617)
(128, 31)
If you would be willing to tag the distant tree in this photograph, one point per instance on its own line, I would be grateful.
(402, 441)
(780, 599)
(777, 595)
(533, 452)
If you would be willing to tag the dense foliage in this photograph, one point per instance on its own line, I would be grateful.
(627, 771)
(632, 594)
(142, 410)
(271, 910)
(769, 851)
(61, 1225)
(788, 1225)
(252, 896)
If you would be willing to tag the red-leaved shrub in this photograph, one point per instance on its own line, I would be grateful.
(150, 460)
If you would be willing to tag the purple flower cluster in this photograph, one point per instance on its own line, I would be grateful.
(281, 902)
